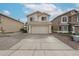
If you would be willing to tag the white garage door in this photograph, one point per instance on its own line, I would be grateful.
(40, 29)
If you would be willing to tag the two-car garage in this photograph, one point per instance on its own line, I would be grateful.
(39, 29)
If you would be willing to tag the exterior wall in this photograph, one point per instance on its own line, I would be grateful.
(10, 25)
(55, 24)
(34, 16)
(43, 16)
(29, 28)
(49, 29)
(75, 22)
(76, 29)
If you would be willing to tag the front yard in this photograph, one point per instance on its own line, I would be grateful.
(67, 40)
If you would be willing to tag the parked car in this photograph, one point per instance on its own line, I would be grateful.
(75, 38)
(23, 30)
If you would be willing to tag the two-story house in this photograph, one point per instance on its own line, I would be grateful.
(38, 23)
(67, 22)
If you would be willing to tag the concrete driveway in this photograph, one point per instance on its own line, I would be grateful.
(40, 45)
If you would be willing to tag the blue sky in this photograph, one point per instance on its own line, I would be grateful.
(20, 11)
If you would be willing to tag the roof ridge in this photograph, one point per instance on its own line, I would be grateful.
(10, 17)
(36, 12)
(65, 13)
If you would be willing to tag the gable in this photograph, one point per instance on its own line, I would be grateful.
(38, 13)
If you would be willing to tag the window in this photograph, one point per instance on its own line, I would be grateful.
(43, 18)
(77, 18)
(31, 19)
(64, 19)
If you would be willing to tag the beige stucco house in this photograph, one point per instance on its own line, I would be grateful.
(67, 22)
(38, 23)
(8, 24)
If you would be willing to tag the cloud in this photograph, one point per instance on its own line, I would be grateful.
(6, 12)
(51, 9)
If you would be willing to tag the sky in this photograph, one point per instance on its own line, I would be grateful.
(19, 11)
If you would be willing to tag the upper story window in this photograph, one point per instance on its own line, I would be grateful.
(77, 18)
(43, 18)
(31, 19)
(64, 19)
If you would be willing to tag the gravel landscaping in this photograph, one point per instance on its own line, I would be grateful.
(67, 40)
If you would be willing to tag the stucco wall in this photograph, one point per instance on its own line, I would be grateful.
(55, 24)
(76, 29)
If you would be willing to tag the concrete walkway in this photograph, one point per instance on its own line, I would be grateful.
(40, 45)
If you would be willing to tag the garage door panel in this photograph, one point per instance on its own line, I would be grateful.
(40, 29)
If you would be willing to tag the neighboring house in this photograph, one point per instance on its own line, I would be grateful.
(66, 23)
(38, 23)
(8, 24)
